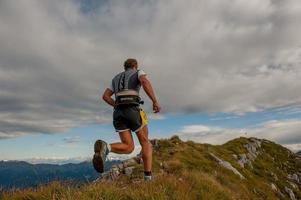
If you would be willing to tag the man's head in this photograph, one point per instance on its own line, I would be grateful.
(130, 63)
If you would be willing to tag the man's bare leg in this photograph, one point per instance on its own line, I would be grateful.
(142, 135)
(126, 145)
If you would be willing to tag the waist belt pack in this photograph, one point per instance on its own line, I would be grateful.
(128, 100)
(127, 97)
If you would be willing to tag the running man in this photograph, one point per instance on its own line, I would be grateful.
(128, 116)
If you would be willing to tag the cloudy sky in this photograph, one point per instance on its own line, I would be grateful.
(221, 69)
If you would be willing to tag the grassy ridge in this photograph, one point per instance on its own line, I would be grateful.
(185, 170)
(164, 187)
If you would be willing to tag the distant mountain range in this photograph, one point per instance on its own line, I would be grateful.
(76, 160)
(21, 174)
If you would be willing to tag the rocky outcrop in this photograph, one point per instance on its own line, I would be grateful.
(227, 165)
(294, 177)
(274, 188)
(290, 193)
(155, 144)
(243, 160)
(125, 167)
(252, 148)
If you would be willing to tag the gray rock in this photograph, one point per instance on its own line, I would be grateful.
(255, 191)
(299, 176)
(273, 186)
(243, 160)
(155, 144)
(125, 167)
(293, 185)
(252, 152)
(293, 177)
(290, 193)
(129, 170)
(257, 142)
(227, 165)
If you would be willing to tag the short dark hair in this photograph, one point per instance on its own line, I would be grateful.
(129, 63)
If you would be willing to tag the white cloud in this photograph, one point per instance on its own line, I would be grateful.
(285, 132)
(207, 134)
(230, 56)
(294, 147)
(195, 129)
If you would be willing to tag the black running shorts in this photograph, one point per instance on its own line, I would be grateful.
(127, 118)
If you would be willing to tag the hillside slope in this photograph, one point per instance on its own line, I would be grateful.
(244, 168)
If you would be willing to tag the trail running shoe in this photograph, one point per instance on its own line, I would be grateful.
(100, 154)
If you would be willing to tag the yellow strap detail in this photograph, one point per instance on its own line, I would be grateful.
(143, 117)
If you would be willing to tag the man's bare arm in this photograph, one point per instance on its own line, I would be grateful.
(150, 92)
(107, 97)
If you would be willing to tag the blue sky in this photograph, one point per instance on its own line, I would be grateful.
(77, 143)
(220, 69)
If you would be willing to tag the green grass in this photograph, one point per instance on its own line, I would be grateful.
(185, 170)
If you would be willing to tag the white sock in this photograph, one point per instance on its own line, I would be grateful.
(147, 178)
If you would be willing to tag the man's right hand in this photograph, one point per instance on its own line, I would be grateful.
(150, 92)
(156, 107)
